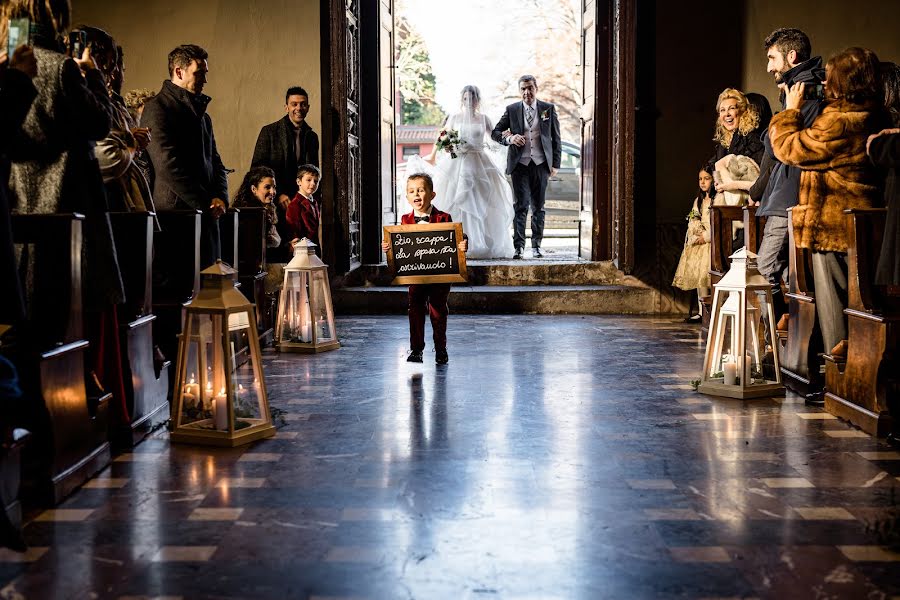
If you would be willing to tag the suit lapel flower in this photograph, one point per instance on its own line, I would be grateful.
(545, 114)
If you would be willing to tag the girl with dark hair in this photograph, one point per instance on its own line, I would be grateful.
(258, 190)
(693, 268)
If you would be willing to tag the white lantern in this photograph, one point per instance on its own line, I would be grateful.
(737, 362)
(220, 394)
(305, 312)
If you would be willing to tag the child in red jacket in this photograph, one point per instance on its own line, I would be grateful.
(302, 214)
(430, 296)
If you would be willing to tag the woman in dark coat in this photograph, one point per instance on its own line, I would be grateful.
(883, 149)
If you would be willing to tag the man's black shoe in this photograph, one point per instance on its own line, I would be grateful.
(441, 357)
(815, 399)
(536, 252)
(414, 356)
(518, 254)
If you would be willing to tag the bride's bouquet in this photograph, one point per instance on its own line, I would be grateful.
(449, 141)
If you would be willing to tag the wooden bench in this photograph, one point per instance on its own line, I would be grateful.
(251, 266)
(722, 243)
(859, 389)
(801, 347)
(146, 390)
(176, 274)
(69, 428)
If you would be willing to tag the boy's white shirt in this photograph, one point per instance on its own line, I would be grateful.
(423, 214)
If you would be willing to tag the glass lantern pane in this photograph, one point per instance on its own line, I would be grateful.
(295, 320)
(723, 348)
(245, 376)
(324, 324)
(756, 352)
(203, 369)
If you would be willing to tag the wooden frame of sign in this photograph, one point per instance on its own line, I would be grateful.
(408, 245)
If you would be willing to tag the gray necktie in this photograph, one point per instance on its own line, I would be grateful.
(297, 148)
(529, 116)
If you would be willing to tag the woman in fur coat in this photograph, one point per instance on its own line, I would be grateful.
(836, 175)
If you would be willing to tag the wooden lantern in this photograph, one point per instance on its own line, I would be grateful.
(305, 312)
(220, 393)
(737, 362)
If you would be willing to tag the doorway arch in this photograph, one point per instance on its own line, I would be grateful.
(358, 134)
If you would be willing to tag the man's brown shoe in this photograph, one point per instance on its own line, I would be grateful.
(783, 322)
(840, 349)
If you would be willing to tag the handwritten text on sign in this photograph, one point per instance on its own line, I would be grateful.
(429, 251)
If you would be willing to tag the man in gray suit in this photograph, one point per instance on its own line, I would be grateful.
(531, 130)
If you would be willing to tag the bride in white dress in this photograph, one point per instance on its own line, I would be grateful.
(471, 187)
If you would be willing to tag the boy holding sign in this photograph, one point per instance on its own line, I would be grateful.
(431, 296)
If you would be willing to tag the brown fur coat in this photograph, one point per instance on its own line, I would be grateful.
(836, 173)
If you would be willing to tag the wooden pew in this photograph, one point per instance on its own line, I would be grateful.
(251, 266)
(146, 390)
(859, 389)
(722, 243)
(176, 274)
(801, 347)
(69, 428)
(753, 229)
(229, 232)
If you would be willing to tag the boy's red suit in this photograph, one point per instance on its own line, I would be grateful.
(430, 295)
(302, 217)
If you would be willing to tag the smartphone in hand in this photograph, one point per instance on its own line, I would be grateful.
(77, 42)
(814, 91)
(19, 34)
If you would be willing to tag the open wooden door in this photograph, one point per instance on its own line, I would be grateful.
(387, 89)
(606, 229)
(379, 206)
(592, 243)
(341, 184)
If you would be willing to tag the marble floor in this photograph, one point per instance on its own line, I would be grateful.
(555, 457)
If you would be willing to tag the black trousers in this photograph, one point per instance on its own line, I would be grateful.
(529, 184)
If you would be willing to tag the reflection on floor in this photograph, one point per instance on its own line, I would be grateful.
(554, 457)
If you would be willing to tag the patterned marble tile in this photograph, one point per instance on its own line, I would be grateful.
(700, 554)
(184, 554)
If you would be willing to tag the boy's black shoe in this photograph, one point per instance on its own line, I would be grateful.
(414, 356)
(441, 357)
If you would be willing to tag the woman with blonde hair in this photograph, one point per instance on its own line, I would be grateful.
(739, 149)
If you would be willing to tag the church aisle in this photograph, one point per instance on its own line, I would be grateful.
(555, 457)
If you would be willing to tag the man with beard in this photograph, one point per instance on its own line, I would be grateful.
(189, 173)
(788, 54)
(283, 146)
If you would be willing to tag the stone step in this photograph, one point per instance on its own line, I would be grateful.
(508, 272)
(544, 299)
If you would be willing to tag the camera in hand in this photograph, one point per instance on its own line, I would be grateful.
(814, 91)
(77, 42)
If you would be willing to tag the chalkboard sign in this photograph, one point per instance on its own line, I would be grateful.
(426, 253)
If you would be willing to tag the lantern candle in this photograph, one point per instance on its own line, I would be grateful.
(221, 410)
(191, 392)
(207, 394)
(730, 370)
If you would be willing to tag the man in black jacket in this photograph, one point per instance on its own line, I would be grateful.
(189, 173)
(788, 53)
(286, 144)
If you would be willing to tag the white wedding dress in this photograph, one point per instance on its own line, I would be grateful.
(472, 189)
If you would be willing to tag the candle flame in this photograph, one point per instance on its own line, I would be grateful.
(241, 387)
(223, 391)
(192, 378)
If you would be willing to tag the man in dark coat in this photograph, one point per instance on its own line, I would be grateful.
(189, 173)
(788, 53)
(288, 143)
